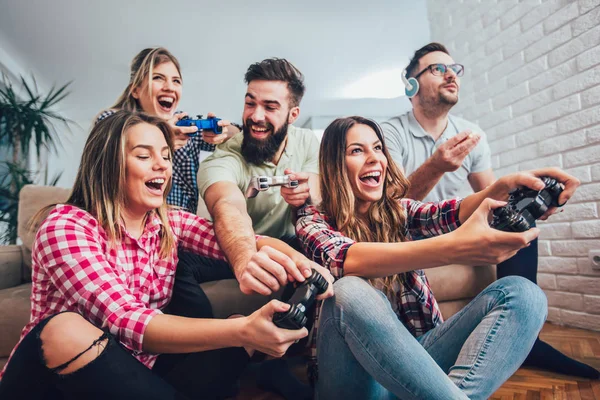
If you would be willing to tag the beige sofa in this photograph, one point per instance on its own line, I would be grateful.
(453, 285)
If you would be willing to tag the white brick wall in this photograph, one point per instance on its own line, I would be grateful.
(533, 84)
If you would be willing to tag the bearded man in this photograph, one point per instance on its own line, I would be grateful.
(270, 146)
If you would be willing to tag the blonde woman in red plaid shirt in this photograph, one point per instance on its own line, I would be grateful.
(103, 268)
(385, 338)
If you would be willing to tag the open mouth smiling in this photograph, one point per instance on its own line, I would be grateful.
(156, 184)
(260, 131)
(166, 103)
(371, 178)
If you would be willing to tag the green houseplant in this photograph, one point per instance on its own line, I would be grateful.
(27, 118)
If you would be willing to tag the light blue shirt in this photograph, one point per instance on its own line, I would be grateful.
(410, 146)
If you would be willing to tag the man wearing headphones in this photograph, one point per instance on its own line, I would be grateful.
(440, 153)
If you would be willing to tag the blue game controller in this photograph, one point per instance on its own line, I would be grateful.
(209, 124)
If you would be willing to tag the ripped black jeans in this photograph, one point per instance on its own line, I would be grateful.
(116, 374)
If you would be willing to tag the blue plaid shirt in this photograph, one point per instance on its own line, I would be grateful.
(186, 161)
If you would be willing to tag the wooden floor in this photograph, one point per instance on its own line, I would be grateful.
(526, 383)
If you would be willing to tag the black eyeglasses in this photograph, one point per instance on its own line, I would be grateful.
(441, 69)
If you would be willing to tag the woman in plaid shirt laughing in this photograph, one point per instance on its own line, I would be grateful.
(103, 268)
(385, 338)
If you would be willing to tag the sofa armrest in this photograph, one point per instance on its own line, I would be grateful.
(11, 262)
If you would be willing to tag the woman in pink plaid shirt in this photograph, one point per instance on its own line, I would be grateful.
(386, 338)
(103, 268)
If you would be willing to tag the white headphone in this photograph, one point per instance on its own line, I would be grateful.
(411, 85)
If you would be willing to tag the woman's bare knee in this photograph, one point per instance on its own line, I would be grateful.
(65, 336)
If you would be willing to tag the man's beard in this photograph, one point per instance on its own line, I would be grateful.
(258, 151)
(448, 99)
(438, 103)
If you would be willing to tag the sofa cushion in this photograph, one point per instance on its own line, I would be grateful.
(10, 266)
(15, 306)
(454, 282)
(33, 198)
(226, 298)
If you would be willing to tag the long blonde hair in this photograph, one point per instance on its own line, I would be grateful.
(142, 68)
(385, 219)
(101, 177)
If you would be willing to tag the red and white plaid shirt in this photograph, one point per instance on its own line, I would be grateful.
(412, 300)
(122, 288)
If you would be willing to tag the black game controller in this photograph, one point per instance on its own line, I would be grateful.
(209, 124)
(525, 206)
(302, 299)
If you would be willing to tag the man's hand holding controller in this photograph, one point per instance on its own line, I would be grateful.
(261, 183)
(297, 195)
(269, 270)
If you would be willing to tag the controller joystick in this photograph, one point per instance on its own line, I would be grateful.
(302, 299)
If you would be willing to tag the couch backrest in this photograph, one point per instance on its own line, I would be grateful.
(33, 198)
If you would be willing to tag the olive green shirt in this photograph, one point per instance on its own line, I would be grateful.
(270, 214)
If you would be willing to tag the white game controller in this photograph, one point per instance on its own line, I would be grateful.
(261, 183)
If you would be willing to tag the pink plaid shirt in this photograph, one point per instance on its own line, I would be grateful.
(120, 289)
(412, 299)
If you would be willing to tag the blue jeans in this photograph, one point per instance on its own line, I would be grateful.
(365, 352)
